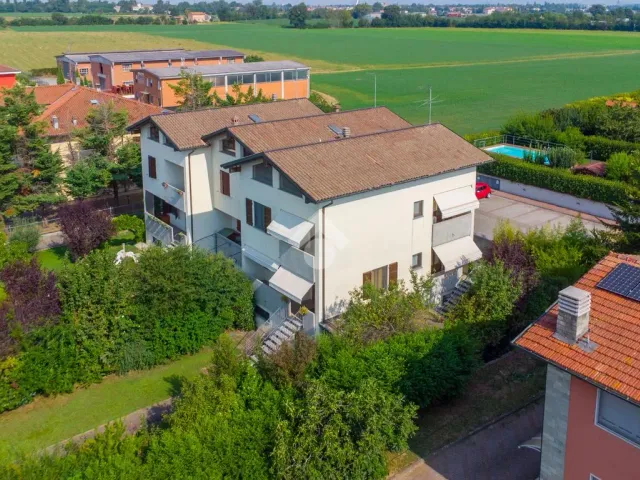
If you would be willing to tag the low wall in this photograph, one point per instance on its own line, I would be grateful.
(564, 200)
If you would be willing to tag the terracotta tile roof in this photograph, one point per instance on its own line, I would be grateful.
(46, 95)
(344, 167)
(614, 327)
(77, 102)
(6, 69)
(186, 129)
(263, 136)
(597, 169)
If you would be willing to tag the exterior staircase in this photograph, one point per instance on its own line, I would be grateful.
(462, 287)
(273, 340)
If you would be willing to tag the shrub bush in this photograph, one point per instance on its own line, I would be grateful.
(26, 233)
(537, 126)
(133, 224)
(563, 181)
(84, 227)
(562, 157)
(601, 148)
(620, 167)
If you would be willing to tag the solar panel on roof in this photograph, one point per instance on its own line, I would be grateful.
(255, 118)
(335, 129)
(623, 280)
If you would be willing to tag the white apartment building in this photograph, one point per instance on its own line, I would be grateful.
(311, 205)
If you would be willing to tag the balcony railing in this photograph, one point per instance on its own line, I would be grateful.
(299, 262)
(174, 196)
(452, 229)
(161, 231)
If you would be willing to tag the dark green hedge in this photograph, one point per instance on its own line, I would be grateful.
(558, 180)
(601, 148)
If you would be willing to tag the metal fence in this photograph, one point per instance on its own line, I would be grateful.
(50, 225)
(516, 141)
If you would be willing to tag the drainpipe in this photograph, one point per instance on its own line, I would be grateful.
(190, 196)
(324, 256)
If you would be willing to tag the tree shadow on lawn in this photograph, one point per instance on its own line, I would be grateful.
(175, 384)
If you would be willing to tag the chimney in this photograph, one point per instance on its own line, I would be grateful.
(235, 120)
(273, 97)
(574, 306)
(346, 132)
(74, 120)
(54, 122)
(336, 108)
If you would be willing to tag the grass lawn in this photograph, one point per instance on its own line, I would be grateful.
(53, 258)
(48, 420)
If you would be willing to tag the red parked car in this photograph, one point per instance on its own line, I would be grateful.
(483, 190)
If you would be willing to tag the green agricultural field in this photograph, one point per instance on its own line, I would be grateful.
(480, 77)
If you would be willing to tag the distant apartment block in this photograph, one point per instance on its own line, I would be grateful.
(113, 71)
(281, 80)
(8, 76)
(312, 205)
(590, 340)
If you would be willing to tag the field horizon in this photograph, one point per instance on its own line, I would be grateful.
(479, 76)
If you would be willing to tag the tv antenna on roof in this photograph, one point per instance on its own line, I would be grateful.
(429, 101)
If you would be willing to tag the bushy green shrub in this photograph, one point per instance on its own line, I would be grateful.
(25, 233)
(582, 186)
(537, 126)
(130, 223)
(601, 148)
(620, 166)
(320, 102)
(562, 157)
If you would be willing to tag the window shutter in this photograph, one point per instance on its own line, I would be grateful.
(249, 205)
(366, 277)
(393, 273)
(267, 217)
(152, 167)
(225, 184)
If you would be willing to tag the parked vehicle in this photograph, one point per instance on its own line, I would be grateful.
(483, 190)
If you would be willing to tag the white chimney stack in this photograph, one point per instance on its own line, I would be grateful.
(574, 306)
(54, 122)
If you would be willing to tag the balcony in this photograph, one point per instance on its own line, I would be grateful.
(164, 232)
(227, 241)
(452, 229)
(173, 196)
(298, 262)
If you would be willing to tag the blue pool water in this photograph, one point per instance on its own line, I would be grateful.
(510, 150)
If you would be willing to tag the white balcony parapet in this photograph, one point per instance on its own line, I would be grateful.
(174, 195)
(158, 229)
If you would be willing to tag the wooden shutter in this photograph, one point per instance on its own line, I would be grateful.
(249, 206)
(225, 183)
(366, 277)
(267, 217)
(238, 225)
(152, 167)
(393, 273)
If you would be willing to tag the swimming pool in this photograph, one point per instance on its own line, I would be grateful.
(510, 150)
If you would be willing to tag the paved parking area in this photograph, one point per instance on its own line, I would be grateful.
(524, 214)
(490, 454)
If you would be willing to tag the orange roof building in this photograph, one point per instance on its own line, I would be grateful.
(590, 340)
(8, 76)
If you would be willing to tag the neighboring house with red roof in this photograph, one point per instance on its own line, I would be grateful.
(8, 76)
(46, 94)
(590, 340)
(595, 169)
(68, 113)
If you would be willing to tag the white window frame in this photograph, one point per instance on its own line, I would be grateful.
(126, 67)
(606, 429)
(419, 264)
(83, 71)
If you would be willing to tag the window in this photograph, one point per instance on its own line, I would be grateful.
(128, 82)
(416, 261)
(288, 186)
(261, 216)
(247, 79)
(141, 64)
(225, 183)
(381, 277)
(229, 146)
(152, 167)
(303, 74)
(230, 60)
(618, 417)
(418, 209)
(436, 264)
(263, 173)
(268, 77)
(126, 67)
(168, 63)
(154, 133)
(149, 82)
(217, 81)
(289, 74)
(84, 71)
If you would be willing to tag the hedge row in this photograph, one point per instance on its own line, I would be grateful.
(601, 148)
(558, 180)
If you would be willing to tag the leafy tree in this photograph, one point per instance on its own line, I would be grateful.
(8, 176)
(106, 128)
(87, 177)
(620, 166)
(83, 227)
(25, 233)
(32, 296)
(253, 59)
(361, 10)
(193, 91)
(238, 97)
(333, 433)
(298, 16)
(627, 214)
(288, 365)
(131, 223)
(60, 80)
(20, 107)
(377, 7)
(376, 313)
(392, 15)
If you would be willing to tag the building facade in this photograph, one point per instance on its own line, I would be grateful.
(312, 205)
(590, 342)
(8, 76)
(282, 80)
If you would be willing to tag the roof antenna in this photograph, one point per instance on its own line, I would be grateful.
(430, 101)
